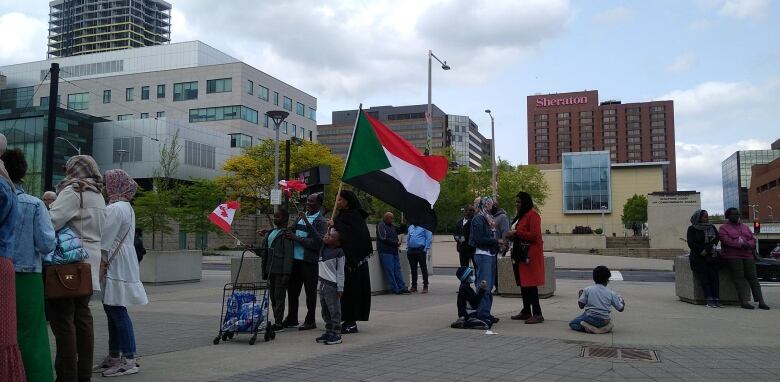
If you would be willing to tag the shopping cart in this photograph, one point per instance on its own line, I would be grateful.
(245, 308)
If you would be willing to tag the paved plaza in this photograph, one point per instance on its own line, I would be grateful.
(409, 339)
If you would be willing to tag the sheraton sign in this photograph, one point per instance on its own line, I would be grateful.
(544, 102)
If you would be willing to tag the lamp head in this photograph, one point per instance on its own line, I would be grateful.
(487, 111)
(445, 66)
(277, 116)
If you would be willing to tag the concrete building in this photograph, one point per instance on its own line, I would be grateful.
(736, 176)
(587, 189)
(469, 146)
(79, 27)
(764, 191)
(216, 102)
(635, 132)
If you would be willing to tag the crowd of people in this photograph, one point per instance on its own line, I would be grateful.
(95, 208)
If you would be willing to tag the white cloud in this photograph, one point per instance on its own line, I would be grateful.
(721, 99)
(742, 9)
(23, 38)
(683, 63)
(614, 16)
(699, 168)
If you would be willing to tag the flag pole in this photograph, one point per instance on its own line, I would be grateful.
(349, 151)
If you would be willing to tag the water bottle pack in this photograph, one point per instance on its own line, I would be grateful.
(243, 312)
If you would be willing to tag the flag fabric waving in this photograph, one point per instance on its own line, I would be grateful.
(388, 167)
(223, 215)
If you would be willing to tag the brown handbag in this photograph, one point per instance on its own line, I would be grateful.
(67, 280)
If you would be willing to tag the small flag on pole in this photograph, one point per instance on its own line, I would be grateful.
(223, 215)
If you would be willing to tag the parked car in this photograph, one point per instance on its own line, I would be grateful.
(775, 254)
(768, 268)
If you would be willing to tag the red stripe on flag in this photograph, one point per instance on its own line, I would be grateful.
(222, 224)
(434, 165)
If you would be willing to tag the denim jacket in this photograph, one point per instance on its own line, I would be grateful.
(482, 236)
(34, 233)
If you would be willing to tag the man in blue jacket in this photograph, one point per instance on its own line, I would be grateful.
(418, 244)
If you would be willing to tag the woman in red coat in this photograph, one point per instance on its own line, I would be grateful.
(529, 230)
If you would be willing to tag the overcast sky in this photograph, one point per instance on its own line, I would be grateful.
(716, 59)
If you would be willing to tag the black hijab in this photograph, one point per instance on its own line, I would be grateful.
(351, 225)
(526, 204)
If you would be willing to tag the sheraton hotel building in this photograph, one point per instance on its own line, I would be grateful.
(632, 133)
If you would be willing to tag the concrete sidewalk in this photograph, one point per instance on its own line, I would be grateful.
(408, 338)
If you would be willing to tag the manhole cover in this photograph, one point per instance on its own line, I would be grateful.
(626, 354)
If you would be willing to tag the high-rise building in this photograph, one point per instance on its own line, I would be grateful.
(641, 132)
(736, 172)
(460, 133)
(79, 27)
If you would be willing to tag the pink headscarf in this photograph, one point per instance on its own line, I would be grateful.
(120, 187)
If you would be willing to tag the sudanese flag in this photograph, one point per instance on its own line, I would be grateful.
(388, 167)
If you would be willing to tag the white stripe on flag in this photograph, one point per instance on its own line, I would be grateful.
(414, 179)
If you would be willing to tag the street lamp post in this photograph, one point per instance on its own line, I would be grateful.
(429, 116)
(603, 229)
(277, 116)
(493, 153)
(121, 153)
(78, 149)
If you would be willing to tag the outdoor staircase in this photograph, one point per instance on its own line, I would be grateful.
(628, 242)
(632, 246)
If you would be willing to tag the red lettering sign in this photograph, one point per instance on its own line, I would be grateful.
(545, 102)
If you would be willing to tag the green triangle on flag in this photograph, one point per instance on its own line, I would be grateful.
(366, 153)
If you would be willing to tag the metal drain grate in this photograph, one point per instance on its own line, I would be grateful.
(626, 354)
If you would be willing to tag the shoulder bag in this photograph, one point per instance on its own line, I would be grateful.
(104, 265)
(65, 274)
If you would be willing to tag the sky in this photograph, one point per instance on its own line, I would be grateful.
(716, 59)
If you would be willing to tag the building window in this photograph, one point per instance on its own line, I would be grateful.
(262, 93)
(586, 182)
(208, 114)
(287, 104)
(276, 98)
(311, 136)
(249, 87)
(656, 117)
(160, 91)
(610, 126)
(541, 137)
(608, 119)
(542, 145)
(106, 96)
(144, 115)
(660, 131)
(608, 141)
(198, 154)
(633, 132)
(634, 140)
(313, 114)
(184, 91)
(133, 147)
(284, 127)
(542, 152)
(563, 122)
(634, 147)
(540, 123)
(563, 115)
(221, 85)
(265, 120)
(631, 118)
(658, 138)
(632, 110)
(144, 92)
(124, 117)
(634, 155)
(608, 112)
(586, 135)
(240, 140)
(610, 133)
(540, 117)
(564, 137)
(160, 114)
(300, 109)
(586, 114)
(79, 101)
(656, 109)
(129, 93)
(586, 128)
(659, 146)
(541, 131)
(586, 121)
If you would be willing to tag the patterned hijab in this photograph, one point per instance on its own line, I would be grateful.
(120, 187)
(481, 204)
(707, 228)
(83, 173)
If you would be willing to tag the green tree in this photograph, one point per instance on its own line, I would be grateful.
(635, 210)
(196, 201)
(154, 212)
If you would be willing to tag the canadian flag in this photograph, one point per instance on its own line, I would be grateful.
(223, 215)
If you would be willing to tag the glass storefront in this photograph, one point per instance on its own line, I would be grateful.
(586, 182)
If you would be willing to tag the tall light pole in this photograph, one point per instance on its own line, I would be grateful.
(121, 153)
(429, 116)
(277, 116)
(78, 149)
(603, 229)
(493, 153)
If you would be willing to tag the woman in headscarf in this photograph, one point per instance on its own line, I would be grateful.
(80, 206)
(528, 230)
(704, 257)
(120, 278)
(483, 238)
(350, 222)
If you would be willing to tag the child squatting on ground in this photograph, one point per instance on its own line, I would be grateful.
(467, 319)
(597, 300)
(331, 287)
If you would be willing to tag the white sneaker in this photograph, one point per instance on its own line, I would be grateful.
(107, 363)
(125, 367)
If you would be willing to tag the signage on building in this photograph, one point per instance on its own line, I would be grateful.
(544, 102)
(674, 200)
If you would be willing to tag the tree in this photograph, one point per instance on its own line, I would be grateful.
(250, 176)
(154, 212)
(196, 201)
(635, 210)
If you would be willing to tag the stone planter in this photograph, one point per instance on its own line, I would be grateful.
(688, 288)
(379, 284)
(167, 267)
(506, 278)
(251, 270)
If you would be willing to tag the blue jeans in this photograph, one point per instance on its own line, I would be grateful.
(121, 338)
(597, 322)
(486, 270)
(392, 267)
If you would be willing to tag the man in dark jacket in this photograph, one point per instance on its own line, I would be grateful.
(310, 228)
(387, 244)
(461, 235)
(277, 252)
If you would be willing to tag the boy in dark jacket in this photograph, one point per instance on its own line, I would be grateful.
(467, 296)
(277, 252)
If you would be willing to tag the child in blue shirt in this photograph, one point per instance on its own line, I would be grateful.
(597, 300)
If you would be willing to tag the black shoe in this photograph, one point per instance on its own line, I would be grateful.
(277, 327)
(747, 306)
(307, 326)
(291, 324)
(349, 329)
(763, 306)
(405, 291)
(321, 339)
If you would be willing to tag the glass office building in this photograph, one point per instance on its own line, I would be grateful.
(586, 182)
(25, 129)
(736, 177)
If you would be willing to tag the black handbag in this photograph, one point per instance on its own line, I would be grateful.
(519, 255)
